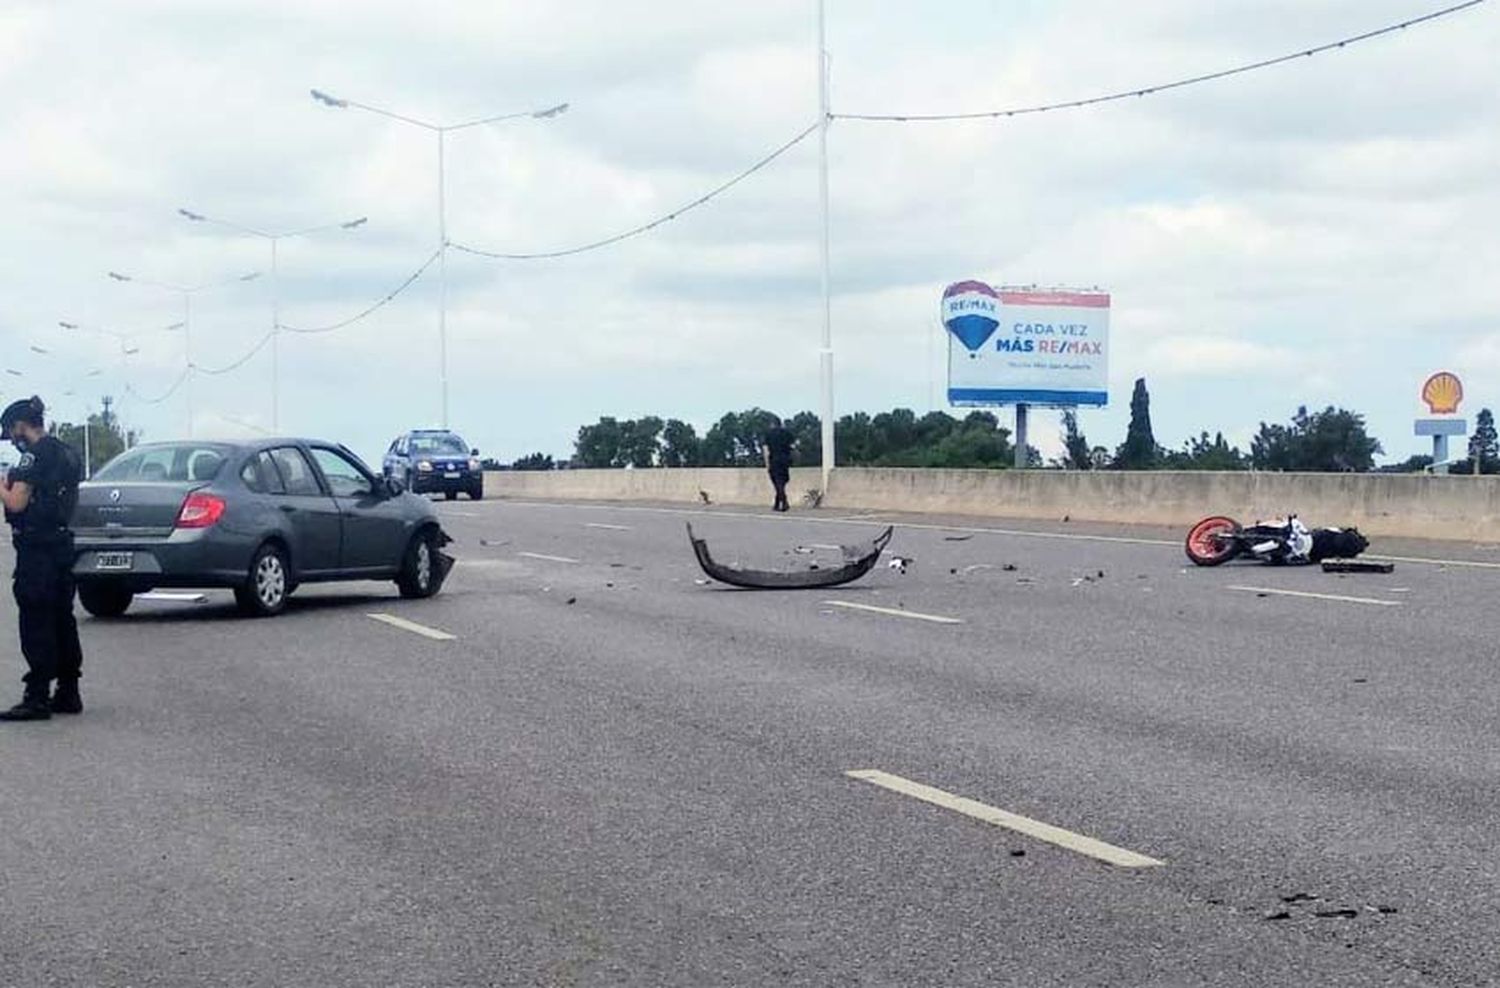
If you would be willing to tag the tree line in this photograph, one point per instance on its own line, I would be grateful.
(1329, 440)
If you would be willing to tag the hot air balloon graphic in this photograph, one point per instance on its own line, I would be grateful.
(971, 312)
(1443, 392)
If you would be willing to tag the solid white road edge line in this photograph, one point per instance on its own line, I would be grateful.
(550, 559)
(1275, 592)
(413, 627)
(893, 612)
(1067, 839)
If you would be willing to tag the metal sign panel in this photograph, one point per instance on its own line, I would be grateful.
(1008, 347)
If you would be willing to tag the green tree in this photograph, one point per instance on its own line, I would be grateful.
(598, 445)
(640, 441)
(1412, 464)
(1484, 444)
(1078, 454)
(1205, 453)
(534, 461)
(1139, 451)
(807, 429)
(679, 444)
(1331, 441)
(107, 438)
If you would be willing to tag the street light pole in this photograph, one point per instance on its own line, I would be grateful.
(187, 292)
(825, 354)
(274, 239)
(441, 130)
(442, 166)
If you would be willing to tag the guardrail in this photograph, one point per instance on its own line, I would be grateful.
(1392, 505)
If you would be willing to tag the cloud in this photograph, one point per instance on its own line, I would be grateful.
(1333, 213)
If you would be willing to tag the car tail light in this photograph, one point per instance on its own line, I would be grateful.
(200, 511)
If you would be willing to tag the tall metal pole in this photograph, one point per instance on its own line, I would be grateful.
(275, 342)
(187, 353)
(443, 273)
(826, 352)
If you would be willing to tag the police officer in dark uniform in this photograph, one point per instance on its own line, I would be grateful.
(39, 494)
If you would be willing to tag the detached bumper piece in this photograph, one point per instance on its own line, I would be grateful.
(1350, 566)
(858, 560)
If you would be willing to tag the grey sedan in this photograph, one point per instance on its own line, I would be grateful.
(259, 518)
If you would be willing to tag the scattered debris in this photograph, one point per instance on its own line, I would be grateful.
(1337, 914)
(979, 566)
(703, 583)
(1019, 852)
(1299, 897)
(1385, 910)
(1283, 914)
(1353, 566)
(1067, 518)
(958, 538)
(1009, 568)
(1024, 581)
(494, 543)
(1101, 575)
(804, 550)
(813, 498)
(616, 565)
(703, 496)
(1361, 680)
(572, 600)
(857, 562)
(610, 585)
(900, 563)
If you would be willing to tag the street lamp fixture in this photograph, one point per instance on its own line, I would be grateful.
(274, 239)
(441, 132)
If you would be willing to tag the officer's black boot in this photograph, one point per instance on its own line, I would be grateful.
(66, 698)
(34, 705)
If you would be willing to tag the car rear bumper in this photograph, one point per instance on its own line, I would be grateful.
(186, 558)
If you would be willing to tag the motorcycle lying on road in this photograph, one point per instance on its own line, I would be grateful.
(1218, 539)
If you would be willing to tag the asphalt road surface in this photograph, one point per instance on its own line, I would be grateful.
(583, 766)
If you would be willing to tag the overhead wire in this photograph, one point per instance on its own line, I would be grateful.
(1162, 87)
(176, 385)
(665, 218)
(369, 310)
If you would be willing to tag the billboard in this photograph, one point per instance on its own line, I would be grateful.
(1025, 346)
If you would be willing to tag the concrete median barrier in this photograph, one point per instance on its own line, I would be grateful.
(1406, 505)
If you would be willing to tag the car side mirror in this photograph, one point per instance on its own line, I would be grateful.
(474, 452)
(394, 487)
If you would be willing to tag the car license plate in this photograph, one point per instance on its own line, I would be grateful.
(451, 475)
(114, 560)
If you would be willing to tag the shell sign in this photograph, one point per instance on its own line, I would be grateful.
(1443, 393)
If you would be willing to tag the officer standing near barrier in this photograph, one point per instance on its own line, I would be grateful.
(39, 495)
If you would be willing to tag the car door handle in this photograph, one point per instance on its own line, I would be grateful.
(289, 509)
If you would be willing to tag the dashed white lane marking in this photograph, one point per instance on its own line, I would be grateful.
(1275, 592)
(976, 529)
(413, 627)
(1078, 843)
(893, 612)
(611, 528)
(546, 558)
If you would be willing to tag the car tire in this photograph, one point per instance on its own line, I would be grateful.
(476, 492)
(105, 599)
(419, 575)
(267, 584)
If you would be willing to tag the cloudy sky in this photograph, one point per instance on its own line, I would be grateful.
(1319, 233)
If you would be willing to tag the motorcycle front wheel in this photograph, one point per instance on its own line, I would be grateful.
(1213, 541)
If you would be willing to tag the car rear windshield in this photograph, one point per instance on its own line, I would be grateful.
(440, 445)
(165, 463)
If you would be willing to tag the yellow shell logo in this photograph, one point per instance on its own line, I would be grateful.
(1442, 393)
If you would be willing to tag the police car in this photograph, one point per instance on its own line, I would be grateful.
(435, 461)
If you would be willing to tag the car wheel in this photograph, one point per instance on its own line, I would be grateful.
(476, 493)
(267, 585)
(420, 568)
(105, 599)
(450, 495)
